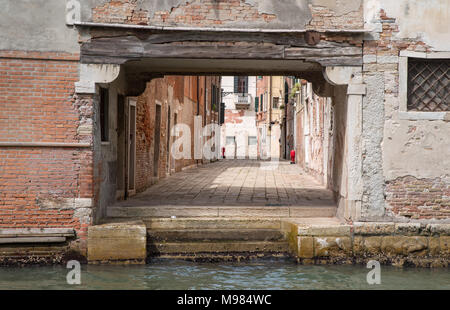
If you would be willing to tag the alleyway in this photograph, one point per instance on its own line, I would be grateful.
(232, 188)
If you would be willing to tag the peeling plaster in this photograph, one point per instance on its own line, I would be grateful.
(291, 14)
(340, 7)
(426, 21)
(416, 149)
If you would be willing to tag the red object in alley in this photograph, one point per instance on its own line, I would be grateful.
(293, 157)
(223, 152)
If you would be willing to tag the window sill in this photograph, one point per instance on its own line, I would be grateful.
(106, 143)
(426, 116)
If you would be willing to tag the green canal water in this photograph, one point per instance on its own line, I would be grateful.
(264, 274)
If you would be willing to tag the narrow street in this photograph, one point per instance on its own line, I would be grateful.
(232, 188)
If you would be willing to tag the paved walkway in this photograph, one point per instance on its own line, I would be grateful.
(236, 183)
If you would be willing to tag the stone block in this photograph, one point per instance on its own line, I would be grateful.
(445, 245)
(306, 247)
(387, 59)
(332, 246)
(117, 242)
(434, 245)
(369, 59)
(439, 229)
(408, 228)
(372, 244)
(376, 228)
(358, 245)
(403, 245)
(324, 230)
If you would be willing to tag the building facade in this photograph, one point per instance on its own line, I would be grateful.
(239, 135)
(384, 64)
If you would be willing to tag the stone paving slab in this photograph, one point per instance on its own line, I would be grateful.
(235, 183)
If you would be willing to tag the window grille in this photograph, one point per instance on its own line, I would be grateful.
(428, 85)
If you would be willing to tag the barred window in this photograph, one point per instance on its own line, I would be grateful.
(428, 85)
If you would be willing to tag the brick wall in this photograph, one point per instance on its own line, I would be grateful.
(44, 186)
(207, 13)
(195, 13)
(180, 94)
(415, 198)
(326, 18)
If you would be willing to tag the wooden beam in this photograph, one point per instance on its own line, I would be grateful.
(120, 49)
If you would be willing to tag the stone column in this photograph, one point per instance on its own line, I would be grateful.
(352, 190)
(86, 91)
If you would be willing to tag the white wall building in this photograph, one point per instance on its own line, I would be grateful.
(239, 133)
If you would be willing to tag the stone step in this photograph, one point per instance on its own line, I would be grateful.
(205, 235)
(216, 248)
(221, 211)
(218, 223)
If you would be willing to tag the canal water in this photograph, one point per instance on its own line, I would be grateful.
(263, 274)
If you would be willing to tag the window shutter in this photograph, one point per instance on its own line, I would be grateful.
(256, 104)
(246, 85)
(236, 84)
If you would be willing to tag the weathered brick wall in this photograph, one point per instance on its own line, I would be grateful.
(44, 186)
(327, 18)
(156, 92)
(415, 198)
(180, 94)
(195, 13)
(120, 12)
(209, 13)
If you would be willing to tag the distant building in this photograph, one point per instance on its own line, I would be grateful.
(239, 133)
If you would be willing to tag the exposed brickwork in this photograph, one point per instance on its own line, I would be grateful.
(325, 18)
(382, 55)
(195, 13)
(31, 92)
(204, 13)
(117, 11)
(38, 105)
(419, 198)
(209, 12)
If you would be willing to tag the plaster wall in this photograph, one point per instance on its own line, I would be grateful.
(36, 25)
(426, 21)
(406, 163)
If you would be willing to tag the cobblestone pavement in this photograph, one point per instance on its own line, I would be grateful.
(236, 183)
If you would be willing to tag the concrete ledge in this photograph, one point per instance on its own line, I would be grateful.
(117, 243)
